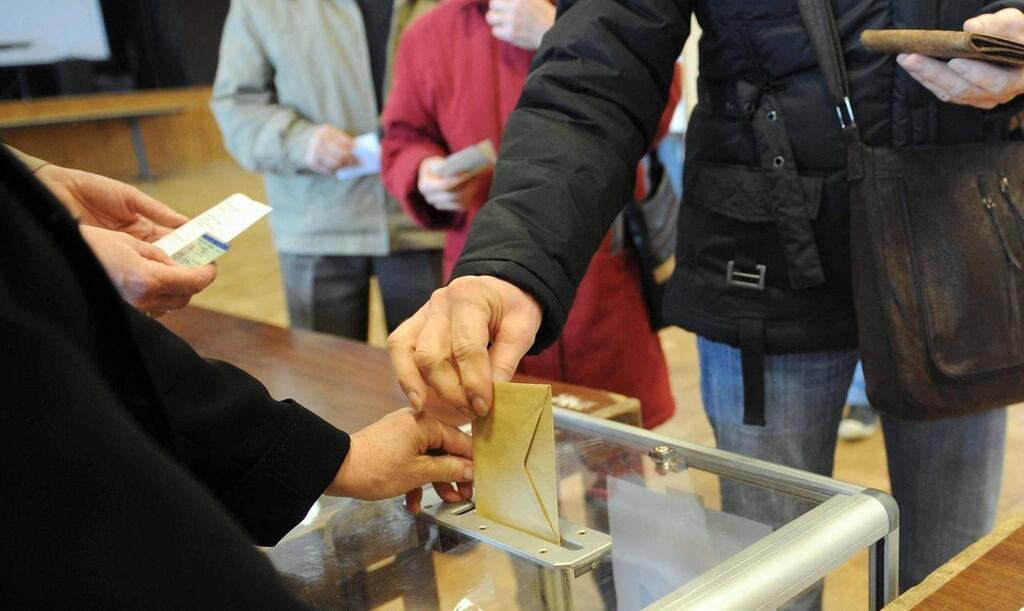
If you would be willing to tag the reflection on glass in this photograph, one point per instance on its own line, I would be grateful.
(670, 524)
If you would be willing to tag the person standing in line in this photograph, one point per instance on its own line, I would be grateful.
(297, 82)
(458, 75)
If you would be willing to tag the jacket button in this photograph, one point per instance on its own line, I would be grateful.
(749, 107)
(773, 116)
(778, 162)
(730, 106)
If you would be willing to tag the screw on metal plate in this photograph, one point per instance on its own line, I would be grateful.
(665, 459)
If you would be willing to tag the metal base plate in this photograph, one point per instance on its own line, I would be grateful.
(580, 550)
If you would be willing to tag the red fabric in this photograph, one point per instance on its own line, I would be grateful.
(454, 86)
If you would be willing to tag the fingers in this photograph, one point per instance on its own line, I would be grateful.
(944, 83)
(413, 500)
(401, 346)
(447, 492)
(329, 149)
(456, 466)
(153, 209)
(178, 280)
(158, 305)
(433, 353)
(440, 436)
(993, 79)
(447, 468)
(471, 318)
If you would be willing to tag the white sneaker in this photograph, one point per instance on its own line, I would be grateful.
(860, 423)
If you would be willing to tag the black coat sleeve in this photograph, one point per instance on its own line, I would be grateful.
(96, 514)
(266, 461)
(588, 111)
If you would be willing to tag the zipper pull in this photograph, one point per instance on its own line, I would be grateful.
(983, 190)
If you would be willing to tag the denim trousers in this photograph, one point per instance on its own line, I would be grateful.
(945, 474)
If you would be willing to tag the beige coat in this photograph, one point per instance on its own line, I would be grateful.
(285, 67)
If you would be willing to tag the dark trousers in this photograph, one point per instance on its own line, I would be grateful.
(331, 294)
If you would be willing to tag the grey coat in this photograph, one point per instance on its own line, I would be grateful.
(285, 67)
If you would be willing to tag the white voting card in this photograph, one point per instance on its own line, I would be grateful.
(366, 149)
(222, 222)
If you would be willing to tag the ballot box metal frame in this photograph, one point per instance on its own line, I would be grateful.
(770, 572)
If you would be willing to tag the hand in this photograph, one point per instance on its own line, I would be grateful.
(469, 335)
(329, 149)
(104, 202)
(520, 22)
(143, 274)
(449, 194)
(973, 82)
(389, 458)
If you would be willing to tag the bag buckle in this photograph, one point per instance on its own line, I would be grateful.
(745, 280)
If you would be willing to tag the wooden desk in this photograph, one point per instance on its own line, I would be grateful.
(986, 575)
(349, 384)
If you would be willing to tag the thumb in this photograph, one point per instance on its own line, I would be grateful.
(505, 356)
(1008, 23)
(513, 340)
(447, 469)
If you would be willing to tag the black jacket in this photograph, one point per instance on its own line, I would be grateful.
(765, 167)
(133, 473)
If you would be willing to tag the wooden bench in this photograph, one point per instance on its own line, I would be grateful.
(131, 113)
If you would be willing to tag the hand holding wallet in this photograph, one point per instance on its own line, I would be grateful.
(946, 45)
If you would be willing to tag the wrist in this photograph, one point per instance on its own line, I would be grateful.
(345, 482)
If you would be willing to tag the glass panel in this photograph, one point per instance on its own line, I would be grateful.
(669, 523)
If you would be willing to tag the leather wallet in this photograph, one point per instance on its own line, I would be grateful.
(945, 45)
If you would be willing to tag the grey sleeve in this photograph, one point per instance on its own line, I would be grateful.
(261, 134)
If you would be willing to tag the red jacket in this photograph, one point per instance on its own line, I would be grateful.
(454, 86)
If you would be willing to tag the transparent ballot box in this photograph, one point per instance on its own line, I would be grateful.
(647, 521)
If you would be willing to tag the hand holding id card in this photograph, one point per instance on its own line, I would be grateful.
(206, 237)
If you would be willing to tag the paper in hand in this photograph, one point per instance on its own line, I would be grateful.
(366, 149)
(220, 224)
(469, 160)
(203, 251)
(514, 461)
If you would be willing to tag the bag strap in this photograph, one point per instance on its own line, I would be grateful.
(820, 23)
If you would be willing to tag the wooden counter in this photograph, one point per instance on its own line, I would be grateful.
(348, 383)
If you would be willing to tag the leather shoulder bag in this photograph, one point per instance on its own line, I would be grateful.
(938, 261)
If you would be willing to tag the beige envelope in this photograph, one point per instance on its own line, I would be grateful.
(514, 461)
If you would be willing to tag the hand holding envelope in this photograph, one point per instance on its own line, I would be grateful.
(514, 461)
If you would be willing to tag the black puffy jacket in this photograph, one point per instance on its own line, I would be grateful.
(755, 195)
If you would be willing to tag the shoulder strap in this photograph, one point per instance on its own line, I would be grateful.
(820, 23)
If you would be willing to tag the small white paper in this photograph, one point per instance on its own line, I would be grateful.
(224, 222)
(366, 149)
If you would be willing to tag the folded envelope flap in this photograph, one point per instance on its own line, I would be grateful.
(540, 466)
(514, 460)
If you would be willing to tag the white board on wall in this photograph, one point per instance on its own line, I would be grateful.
(46, 31)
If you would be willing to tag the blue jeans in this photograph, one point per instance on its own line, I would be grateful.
(945, 474)
(858, 395)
